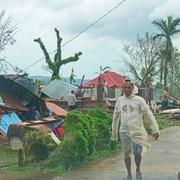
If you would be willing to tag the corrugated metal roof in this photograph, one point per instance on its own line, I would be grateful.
(111, 79)
(8, 119)
(58, 111)
(58, 89)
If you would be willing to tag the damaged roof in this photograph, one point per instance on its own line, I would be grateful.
(16, 95)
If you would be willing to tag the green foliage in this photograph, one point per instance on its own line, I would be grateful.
(167, 29)
(159, 85)
(54, 66)
(78, 121)
(74, 149)
(86, 134)
(102, 122)
(113, 145)
(162, 122)
(103, 70)
(38, 146)
(79, 141)
(7, 156)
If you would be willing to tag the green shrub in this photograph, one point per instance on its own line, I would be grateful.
(85, 133)
(79, 141)
(162, 122)
(71, 120)
(102, 122)
(38, 146)
(77, 121)
(74, 149)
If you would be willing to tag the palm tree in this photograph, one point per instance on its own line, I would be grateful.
(167, 28)
(102, 70)
(174, 73)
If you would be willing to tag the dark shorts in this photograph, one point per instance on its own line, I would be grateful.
(72, 107)
(164, 104)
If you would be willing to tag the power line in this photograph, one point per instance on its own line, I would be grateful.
(8, 63)
(77, 35)
(99, 19)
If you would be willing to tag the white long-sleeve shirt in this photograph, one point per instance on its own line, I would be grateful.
(130, 112)
(71, 99)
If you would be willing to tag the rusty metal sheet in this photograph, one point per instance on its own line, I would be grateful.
(11, 100)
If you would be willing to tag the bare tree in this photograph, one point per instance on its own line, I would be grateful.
(143, 59)
(3, 66)
(7, 32)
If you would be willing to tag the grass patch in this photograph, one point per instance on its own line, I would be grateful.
(9, 162)
(55, 171)
(21, 170)
(7, 156)
(105, 153)
(163, 122)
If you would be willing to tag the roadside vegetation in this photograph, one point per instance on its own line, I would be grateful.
(86, 139)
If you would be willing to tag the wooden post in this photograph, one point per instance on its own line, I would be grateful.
(20, 157)
(17, 145)
(100, 89)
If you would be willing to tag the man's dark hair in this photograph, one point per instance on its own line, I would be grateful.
(128, 81)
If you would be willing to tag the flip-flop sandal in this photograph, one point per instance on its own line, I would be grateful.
(127, 178)
(139, 177)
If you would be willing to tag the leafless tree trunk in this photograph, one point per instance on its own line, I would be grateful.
(7, 32)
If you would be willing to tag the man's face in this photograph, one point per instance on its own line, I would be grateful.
(127, 89)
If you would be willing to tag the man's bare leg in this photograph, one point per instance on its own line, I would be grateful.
(138, 164)
(128, 166)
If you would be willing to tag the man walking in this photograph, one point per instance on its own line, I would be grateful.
(129, 112)
(71, 99)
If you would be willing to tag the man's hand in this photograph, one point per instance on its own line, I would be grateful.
(155, 136)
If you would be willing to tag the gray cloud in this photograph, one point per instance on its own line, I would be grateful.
(125, 22)
(101, 45)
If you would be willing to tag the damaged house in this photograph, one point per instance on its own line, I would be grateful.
(21, 106)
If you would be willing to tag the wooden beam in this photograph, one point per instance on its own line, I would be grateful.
(44, 121)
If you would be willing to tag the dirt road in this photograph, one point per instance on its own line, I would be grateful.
(162, 162)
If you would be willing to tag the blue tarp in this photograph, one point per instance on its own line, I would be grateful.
(8, 119)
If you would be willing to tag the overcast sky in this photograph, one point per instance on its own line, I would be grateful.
(101, 45)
